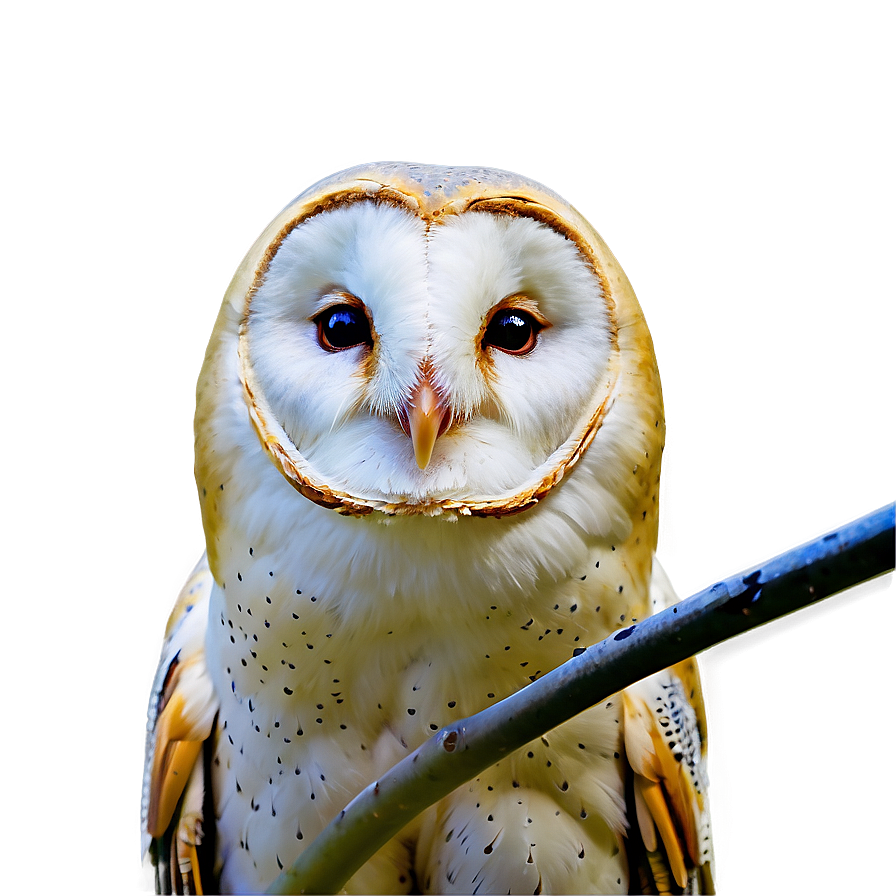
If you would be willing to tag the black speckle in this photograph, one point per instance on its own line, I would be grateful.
(621, 636)
(573, 608)
(411, 711)
(288, 691)
(452, 704)
(579, 651)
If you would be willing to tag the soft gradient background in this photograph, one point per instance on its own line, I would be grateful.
(737, 158)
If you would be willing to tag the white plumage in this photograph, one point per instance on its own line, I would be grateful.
(428, 438)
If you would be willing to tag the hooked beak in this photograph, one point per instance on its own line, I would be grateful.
(427, 419)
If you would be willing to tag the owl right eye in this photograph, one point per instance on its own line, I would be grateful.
(342, 326)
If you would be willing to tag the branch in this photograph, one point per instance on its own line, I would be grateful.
(852, 554)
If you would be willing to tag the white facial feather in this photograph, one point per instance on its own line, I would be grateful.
(429, 294)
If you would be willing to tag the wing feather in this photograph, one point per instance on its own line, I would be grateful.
(665, 745)
(182, 710)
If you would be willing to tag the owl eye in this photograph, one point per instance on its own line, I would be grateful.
(342, 326)
(512, 330)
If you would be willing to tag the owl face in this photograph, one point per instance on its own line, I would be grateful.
(407, 340)
(411, 361)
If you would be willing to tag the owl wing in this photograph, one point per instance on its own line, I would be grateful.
(665, 744)
(182, 710)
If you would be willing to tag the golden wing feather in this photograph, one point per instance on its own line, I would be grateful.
(182, 712)
(670, 840)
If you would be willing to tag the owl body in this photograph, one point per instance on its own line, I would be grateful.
(428, 436)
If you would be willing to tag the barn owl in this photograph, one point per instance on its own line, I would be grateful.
(428, 438)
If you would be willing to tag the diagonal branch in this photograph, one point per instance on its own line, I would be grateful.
(852, 554)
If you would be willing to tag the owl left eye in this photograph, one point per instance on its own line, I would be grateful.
(512, 330)
(342, 326)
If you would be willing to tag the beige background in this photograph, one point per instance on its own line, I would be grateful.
(739, 162)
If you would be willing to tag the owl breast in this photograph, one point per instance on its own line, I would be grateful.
(334, 664)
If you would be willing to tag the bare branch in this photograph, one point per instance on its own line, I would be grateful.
(850, 555)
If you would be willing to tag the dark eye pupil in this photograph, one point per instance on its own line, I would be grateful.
(344, 327)
(510, 330)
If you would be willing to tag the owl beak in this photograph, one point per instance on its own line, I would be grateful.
(427, 419)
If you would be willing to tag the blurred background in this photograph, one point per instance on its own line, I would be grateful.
(737, 159)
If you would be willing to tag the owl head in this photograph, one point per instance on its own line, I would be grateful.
(421, 340)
